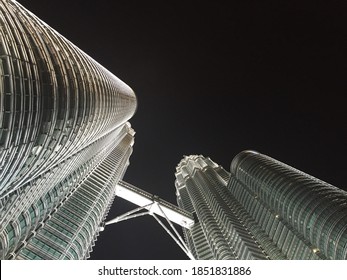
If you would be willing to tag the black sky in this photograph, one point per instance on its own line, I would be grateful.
(215, 78)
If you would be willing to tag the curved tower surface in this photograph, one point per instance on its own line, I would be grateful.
(263, 209)
(64, 140)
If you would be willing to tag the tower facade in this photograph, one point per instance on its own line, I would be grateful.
(64, 140)
(262, 209)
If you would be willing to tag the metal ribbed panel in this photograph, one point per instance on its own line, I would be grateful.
(266, 210)
(79, 206)
(220, 232)
(62, 115)
(55, 99)
(315, 210)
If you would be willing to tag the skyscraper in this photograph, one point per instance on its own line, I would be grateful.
(263, 209)
(64, 140)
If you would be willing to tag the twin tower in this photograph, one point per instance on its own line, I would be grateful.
(65, 143)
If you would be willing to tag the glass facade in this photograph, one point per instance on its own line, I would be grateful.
(64, 140)
(262, 209)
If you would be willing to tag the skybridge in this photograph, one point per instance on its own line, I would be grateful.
(149, 204)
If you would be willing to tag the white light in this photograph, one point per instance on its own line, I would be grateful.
(141, 200)
(315, 250)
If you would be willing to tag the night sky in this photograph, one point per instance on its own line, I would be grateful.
(215, 79)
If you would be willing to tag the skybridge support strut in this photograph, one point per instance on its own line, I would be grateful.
(155, 208)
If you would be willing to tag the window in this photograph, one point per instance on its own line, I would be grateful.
(10, 234)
